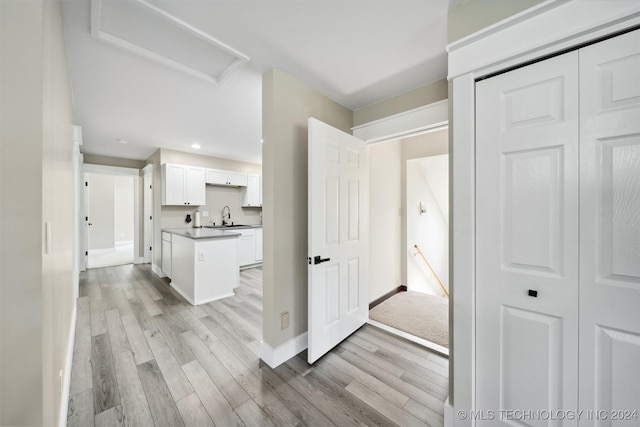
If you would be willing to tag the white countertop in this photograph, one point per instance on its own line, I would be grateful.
(201, 233)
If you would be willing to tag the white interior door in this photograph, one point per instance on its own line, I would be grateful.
(610, 227)
(101, 200)
(527, 239)
(148, 214)
(338, 237)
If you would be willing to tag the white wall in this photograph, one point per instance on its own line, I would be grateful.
(36, 188)
(123, 211)
(430, 230)
(385, 218)
(425, 145)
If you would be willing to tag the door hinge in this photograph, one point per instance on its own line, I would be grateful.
(150, 217)
(86, 218)
(86, 253)
(150, 187)
(86, 184)
(150, 248)
(309, 260)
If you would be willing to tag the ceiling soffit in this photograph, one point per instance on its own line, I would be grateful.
(148, 31)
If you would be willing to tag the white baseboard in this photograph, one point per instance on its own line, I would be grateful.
(157, 271)
(66, 380)
(277, 356)
(139, 260)
(430, 345)
(192, 302)
(448, 414)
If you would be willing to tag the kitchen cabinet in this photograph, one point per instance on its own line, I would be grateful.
(166, 254)
(246, 248)
(258, 245)
(249, 247)
(253, 191)
(204, 264)
(228, 178)
(183, 185)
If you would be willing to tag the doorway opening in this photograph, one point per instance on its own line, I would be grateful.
(110, 234)
(110, 217)
(410, 238)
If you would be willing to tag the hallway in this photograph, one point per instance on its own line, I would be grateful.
(143, 357)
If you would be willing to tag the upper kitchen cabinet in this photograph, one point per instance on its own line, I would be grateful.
(183, 185)
(221, 177)
(253, 191)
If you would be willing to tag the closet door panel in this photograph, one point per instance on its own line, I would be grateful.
(527, 239)
(610, 226)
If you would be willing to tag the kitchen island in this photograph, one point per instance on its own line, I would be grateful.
(204, 263)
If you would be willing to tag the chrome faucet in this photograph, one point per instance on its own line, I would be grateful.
(228, 216)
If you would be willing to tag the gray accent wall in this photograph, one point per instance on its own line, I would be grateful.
(474, 15)
(287, 104)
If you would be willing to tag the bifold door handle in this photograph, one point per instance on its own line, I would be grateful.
(533, 293)
(318, 260)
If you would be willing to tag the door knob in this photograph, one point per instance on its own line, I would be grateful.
(318, 260)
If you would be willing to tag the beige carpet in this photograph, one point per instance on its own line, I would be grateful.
(425, 316)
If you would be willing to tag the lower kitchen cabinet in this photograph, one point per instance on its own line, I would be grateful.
(166, 254)
(248, 253)
(258, 244)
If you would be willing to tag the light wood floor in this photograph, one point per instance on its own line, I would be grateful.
(144, 357)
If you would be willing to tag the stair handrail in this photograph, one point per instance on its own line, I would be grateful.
(418, 251)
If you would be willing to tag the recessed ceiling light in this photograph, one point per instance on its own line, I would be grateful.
(122, 141)
(195, 145)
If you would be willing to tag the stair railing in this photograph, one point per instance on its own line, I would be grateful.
(418, 251)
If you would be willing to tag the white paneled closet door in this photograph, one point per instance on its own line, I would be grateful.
(610, 229)
(558, 238)
(527, 239)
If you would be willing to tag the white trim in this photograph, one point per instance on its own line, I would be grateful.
(276, 356)
(428, 344)
(463, 240)
(147, 171)
(66, 381)
(193, 302)
(139, 260)
(449, 421)
(109, 170)
(98, 33)
(157, 271)
(118, 171)
(519, 39)
(417, 120)
(551, 27)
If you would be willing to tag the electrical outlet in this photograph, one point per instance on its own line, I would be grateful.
(284, 320)
(205, 214)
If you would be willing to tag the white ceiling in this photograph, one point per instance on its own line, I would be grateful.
(358, 52)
